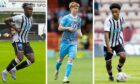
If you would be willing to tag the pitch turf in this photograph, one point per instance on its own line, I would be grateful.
(34, 74)
(81, 73)
(131, 68)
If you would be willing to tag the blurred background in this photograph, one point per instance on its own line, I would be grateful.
(59, 8)
(9, 8)
(131, 12)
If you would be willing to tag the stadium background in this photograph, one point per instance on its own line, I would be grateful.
(131, 12)
(83, 63)
(34, 74)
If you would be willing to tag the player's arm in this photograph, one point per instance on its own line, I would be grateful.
(62, 28)
(62, 22)
(8, 21)
(106, 34)
(107, 41)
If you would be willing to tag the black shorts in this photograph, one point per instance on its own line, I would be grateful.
(117, 49)
(23, 47)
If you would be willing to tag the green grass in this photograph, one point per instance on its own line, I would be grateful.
(131, 68)
(34, 74)
(81, 73)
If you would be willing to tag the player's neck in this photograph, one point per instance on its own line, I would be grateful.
(116, 18)
(73, 15)
(27, 15)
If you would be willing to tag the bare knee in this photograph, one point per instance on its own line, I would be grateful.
(70, 60)
(122, 56)
(108, 62)
(31, 58)
(60, 59)
(20, 56)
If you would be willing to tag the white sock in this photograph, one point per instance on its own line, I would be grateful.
(65, 77)
(17, 60)
(14, 68)
(5, 71)
(28, 62)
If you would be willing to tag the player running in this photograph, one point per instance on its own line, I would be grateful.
(22, 25)
(114, 39)
(71, 27)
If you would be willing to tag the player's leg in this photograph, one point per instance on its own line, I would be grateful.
(30, 57)
(121, 61)
(108, 58)
(71, 53)
(26, 63)
(58, 64)
(18, 47)
(68, 70)
(62, 54)
(121, 53)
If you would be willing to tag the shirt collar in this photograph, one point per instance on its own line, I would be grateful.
(73, 16)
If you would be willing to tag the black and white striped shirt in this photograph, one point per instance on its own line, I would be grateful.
(25, 23)
(115, 30)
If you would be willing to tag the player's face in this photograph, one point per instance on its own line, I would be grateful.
(28, 11)
(75, 10)
(115, 13)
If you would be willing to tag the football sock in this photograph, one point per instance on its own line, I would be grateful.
(121, 63)
(58, 64)
(5, 71)
(109, 67)
(110, 73)
(119, 67)
(23, 65)
(12, 64)
(68, 69)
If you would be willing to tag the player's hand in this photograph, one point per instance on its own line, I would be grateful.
(17, 29)
(13, 31)
(110, 50)
(6, 35)
(71, 29)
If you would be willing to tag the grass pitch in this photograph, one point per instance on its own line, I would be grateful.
(131, 68)
(81, 72)
(34, 74)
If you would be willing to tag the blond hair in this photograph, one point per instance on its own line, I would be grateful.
(74, 4)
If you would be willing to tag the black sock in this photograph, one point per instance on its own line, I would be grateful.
(121, 63)
(22, 65)
(11, 65)
(119, 66)
(109, 67)
(110, 73)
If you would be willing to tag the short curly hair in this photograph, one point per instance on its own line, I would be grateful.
(115, 5)
(26, 4)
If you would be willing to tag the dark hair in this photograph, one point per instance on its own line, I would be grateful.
(26, 4)
(115, 5)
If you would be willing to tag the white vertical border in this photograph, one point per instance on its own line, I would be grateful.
(93, 61)
(46, 44)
